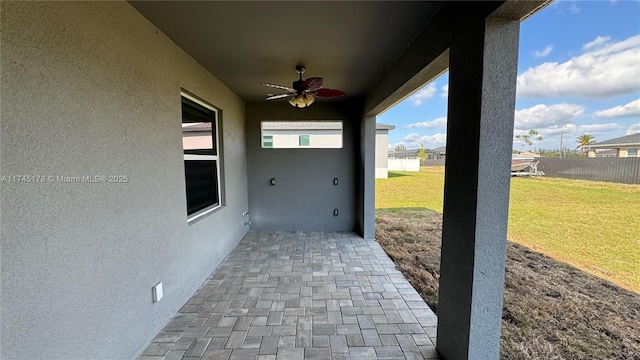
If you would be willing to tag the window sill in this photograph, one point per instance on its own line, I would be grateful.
(199, 215)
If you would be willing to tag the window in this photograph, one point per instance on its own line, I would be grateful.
(299, 134)
(632, 152)
(200, 144)
(267, 141)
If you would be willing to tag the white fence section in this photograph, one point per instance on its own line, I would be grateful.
(404, 165)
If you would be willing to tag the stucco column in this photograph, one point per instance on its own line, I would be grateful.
(368, 182)
(482, 86)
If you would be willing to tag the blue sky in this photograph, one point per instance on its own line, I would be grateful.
(578, 73)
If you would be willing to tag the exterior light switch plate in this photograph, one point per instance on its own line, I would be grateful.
(157, 292)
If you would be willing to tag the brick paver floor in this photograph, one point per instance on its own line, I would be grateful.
(301, 295)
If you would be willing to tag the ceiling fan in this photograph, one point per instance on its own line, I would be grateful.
(303, 92)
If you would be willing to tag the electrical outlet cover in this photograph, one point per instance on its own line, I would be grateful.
(157, 292)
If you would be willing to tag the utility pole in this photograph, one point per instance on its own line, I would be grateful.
(561, 148)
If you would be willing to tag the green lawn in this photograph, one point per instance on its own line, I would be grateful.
(594, 226)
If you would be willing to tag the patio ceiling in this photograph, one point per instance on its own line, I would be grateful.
(350, 44)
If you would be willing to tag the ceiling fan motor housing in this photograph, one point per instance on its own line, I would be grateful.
(296, 84)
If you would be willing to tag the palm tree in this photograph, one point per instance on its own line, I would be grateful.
(583, 141)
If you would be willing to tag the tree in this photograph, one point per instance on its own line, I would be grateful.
(400, 147)
(584, 141)
(529, 138)
(422, 154)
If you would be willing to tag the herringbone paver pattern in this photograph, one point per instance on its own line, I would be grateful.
(301, 295)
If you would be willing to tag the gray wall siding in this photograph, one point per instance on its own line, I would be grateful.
(304, 196)
(92, 88)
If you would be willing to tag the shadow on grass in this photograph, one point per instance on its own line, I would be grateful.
(413, 211)
(395, 174)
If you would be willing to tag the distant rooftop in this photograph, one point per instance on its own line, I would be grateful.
(633, 139)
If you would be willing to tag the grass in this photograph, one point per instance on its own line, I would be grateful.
(594, 226)
(551, 310)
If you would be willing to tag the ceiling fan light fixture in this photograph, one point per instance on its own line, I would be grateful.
(308, 99)
(302, 100)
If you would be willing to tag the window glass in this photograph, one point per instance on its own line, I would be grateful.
(201, 160)
(267, 141)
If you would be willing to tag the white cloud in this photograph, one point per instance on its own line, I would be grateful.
(600, 40)
(543, 53)
(543, 116)
(551, 135)
(413, 141)
(570, 130)
(574, 8)
(630, 109)
(596, 128)
(424, 94)
(604, 70)
(439, 123)
(445, 91)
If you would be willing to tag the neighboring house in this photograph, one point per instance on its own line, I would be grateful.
(103, 197)
(301, 134)
(606, 153)
(624, 146)
(438, 153)
(404, 154)
(382, 144)
(196, 135)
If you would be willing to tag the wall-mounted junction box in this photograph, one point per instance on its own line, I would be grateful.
(157, 292)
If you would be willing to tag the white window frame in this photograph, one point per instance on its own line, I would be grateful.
(294, 133)
(203, 212)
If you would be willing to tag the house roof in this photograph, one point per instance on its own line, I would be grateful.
(405, 153)
(633, 139)
(360, 47)
(380, 126)
(196, 127)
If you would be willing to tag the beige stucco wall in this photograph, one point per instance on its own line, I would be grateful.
(382, 154)
(622, 152)
(92, 88)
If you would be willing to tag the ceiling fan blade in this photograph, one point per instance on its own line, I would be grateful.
(312, 84)
(279, 96)
(329, 93)
(281, 87)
